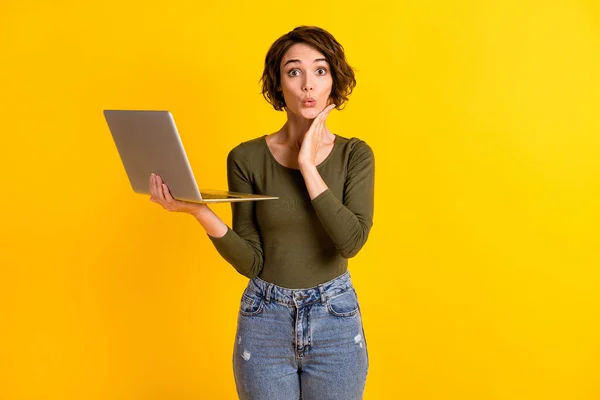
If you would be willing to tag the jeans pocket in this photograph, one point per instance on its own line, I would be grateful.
(251, 305)
(343, 305)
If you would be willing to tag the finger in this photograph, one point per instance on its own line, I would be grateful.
(167, 194)
(322, 116)
(151, 184)
(316, 125)
(172, 203)
(159, 191)
(155, 187)
(327, 110)
(321, 126)
(313, 127)
(153, 190)
(321, 134)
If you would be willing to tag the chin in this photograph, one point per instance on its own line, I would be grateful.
(309, 113)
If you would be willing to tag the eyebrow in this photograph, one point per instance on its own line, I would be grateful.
(296, 60)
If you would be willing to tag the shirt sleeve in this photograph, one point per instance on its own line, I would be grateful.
(349, 221)
(241, 246)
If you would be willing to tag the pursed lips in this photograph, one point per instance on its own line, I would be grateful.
(309, 102)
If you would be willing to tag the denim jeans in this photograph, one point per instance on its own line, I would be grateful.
(300, 343)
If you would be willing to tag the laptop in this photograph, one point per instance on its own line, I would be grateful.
(148, 142)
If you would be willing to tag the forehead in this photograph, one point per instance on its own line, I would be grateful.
(302, 52)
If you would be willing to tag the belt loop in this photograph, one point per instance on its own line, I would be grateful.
(268, 295)
(322, 292)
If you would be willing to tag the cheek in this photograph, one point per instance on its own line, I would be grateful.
(287, 94)
(286, 82)
(326, 93)
(287, 89)
(327, 85)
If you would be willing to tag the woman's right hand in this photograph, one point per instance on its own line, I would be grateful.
(160, 194)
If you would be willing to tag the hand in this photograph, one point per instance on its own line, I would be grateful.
(160, 194)
(312, 139)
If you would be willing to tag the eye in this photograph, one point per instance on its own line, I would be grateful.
(294, 72)
(321, 71)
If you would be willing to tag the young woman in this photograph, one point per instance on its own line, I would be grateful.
(299, 329)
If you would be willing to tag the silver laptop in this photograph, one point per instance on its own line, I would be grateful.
(147, 142)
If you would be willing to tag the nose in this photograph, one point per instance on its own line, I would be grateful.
(308, 85)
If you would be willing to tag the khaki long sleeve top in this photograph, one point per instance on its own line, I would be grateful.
(294, 242)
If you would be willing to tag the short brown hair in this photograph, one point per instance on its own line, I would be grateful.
(341, 72)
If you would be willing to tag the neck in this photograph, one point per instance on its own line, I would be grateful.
(292, 132)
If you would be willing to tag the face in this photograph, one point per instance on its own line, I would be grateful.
(305, 80)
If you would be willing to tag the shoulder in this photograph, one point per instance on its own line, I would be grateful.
(355, 149)
(247, 150)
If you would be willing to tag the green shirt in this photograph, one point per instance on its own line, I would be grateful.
(294, 242)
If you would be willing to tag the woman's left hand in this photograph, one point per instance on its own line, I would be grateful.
(312, 139)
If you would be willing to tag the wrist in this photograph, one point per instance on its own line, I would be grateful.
(307, 168)
(199, 210)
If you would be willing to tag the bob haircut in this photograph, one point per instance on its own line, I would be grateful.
(341, 72)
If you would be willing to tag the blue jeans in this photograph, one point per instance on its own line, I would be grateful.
(300, 343)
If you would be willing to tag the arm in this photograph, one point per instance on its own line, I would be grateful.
(242, 245)
(348, 224)
(315, 185)
(243, 250)
(212, 224)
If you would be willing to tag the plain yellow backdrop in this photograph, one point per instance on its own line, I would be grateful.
(480, 280)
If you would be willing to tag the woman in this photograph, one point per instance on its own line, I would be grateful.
(299, 327)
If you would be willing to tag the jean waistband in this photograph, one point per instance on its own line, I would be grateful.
(298, 297)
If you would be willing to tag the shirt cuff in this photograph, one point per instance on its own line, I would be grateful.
(326, 201)
(223, 240)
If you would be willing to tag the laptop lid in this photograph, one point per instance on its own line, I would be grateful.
(148, 142)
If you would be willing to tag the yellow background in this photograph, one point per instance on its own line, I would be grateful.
(481, 276)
